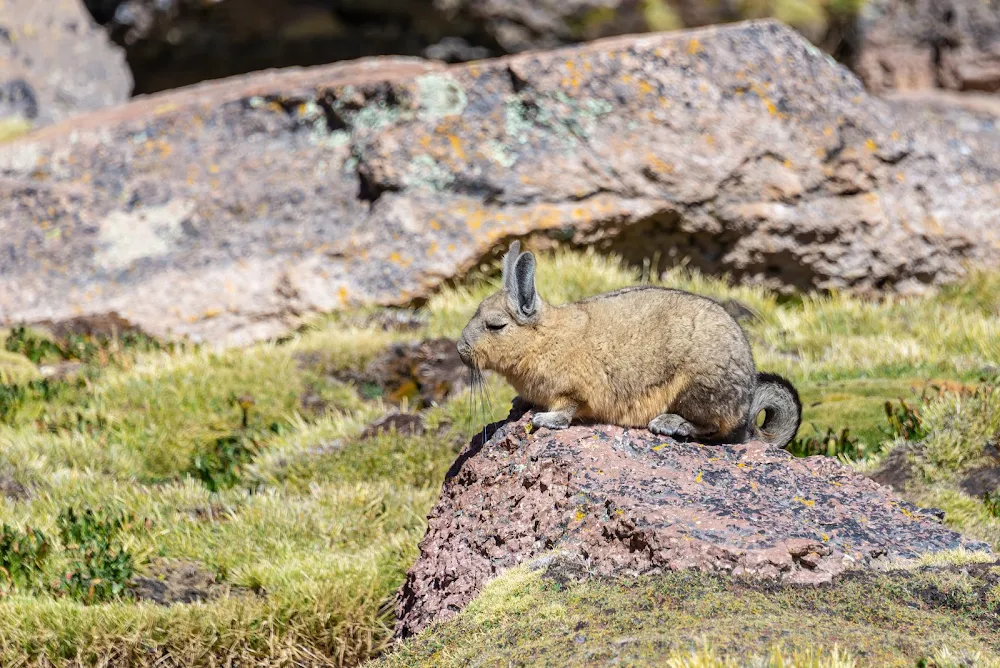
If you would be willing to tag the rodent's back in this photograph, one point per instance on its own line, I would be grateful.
(641, 339)
(663, 329)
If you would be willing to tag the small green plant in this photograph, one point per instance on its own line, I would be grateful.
(992, 502)
(22, 557)
(904, 421)
(221, 465)
(99, 349)
(36, 348)
(14, 398)
(100, 568)
(830, 444)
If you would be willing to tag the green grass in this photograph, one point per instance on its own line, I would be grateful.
(960, 431)
(527, 617)
(314, 529)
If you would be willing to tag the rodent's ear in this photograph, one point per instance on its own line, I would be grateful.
(524, 276)
(509, 260)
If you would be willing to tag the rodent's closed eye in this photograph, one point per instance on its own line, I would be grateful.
(495, 326)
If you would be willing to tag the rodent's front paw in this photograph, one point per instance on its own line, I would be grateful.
(550, 420)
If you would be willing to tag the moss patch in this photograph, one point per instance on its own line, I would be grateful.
(888, 619)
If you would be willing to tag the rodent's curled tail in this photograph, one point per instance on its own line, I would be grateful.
(782, 410)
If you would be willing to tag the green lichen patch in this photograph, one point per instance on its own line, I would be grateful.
(440, 96)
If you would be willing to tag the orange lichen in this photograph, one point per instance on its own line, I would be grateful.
(164, 109)
(434, 225)
(456, 146)
(342, 294)
(475, 219)
(694, 46)
(870, 144)
(659, 165)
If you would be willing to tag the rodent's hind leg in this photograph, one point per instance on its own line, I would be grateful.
(555, 419)
(674, 426)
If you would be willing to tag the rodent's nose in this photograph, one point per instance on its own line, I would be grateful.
(464, 351)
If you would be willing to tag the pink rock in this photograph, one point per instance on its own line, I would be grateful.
(644, 516)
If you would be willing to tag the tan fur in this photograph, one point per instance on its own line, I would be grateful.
(621, 358)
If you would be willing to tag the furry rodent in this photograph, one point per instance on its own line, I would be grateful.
(665, 359)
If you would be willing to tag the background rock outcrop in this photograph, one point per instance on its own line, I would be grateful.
(626, 502)
(179, 42)
(56, 62)
(230, 211)
(949, 44)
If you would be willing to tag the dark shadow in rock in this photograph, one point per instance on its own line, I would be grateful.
(408, 424)
(422, 374)
(12, 489)
(396, 320)
(897, 470)
(107, 325)
(980, 481)
(518, 408)
(180, 581)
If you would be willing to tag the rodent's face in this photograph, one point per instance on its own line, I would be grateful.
(493, 339)
(505, 323)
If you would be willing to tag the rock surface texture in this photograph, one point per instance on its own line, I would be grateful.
(229, 211)
(56, 62)
(626, 502)
(912, 45)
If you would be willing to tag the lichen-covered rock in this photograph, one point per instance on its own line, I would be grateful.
(55, 62)
(229, 211)
(626, 502)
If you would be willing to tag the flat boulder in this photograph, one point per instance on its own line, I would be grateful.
(55, 62)
(231, 211)
(625, 502)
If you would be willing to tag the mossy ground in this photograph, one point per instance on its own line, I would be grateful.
(537, 618)
(314, 529)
